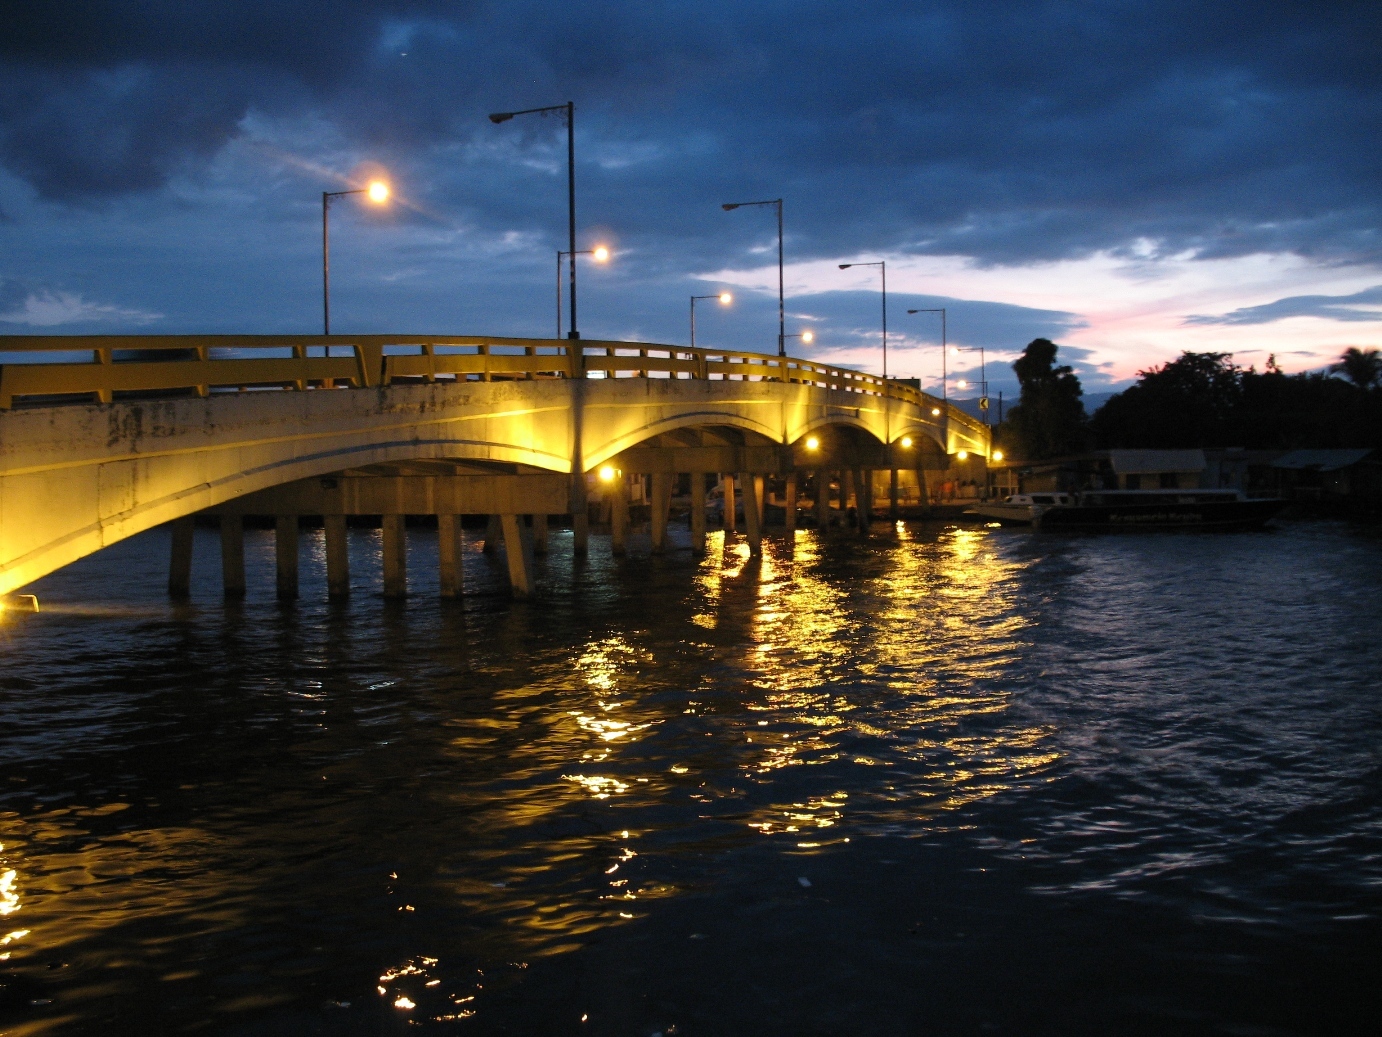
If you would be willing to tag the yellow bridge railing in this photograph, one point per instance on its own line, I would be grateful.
(47, 368)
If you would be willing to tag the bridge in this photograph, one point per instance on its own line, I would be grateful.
(103, 437)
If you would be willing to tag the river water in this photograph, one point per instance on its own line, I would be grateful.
(956, 781)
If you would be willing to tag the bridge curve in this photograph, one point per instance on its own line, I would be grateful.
(102, 437)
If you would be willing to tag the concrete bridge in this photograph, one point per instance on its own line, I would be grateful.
(102, 437)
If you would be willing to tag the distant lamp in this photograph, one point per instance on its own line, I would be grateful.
(907, 442)
(607, 472)
(998, 455)
(726, 298)
(812, 443)
(600, 254)
(808, 336)
(963, 455)
(962, 384)
(935, 412)
(378, 192)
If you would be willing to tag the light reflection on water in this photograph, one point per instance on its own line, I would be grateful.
(377, 807)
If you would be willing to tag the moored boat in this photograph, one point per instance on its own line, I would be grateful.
(1094, 510)
(1019, 509)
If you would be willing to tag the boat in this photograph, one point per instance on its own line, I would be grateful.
(1093, 510)
(1020, 509)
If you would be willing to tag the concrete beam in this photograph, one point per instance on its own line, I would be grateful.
(408, 495)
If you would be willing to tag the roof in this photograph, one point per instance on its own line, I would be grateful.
(1153, 462)
(1321, 460)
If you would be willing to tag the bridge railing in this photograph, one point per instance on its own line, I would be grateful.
(45, 369)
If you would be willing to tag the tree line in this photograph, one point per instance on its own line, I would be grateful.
(1196, 400)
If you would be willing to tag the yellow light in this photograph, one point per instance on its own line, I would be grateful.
(963, 455)
(607, 473)
(954, 351)
(935, 412)
(812, 443)
(907, 442)
(601, 254)
(808, 336)
(378, 191)
(998, 455)
(726, 298)
(962, 384)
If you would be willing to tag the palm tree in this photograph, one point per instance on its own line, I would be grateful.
(1362, 367)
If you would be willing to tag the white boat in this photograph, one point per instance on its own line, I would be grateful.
(1020, 509)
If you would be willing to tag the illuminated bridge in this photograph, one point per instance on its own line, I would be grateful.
(102, 437)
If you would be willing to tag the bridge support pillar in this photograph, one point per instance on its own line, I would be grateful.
(337, 557)
(619, 514)
(233, 556)
(662, 503)
(846, 490)
(519, 551)
(892, 494)
(822, 499)
(493, 532)
(731, 509)
(180, 560)
(698, 513)
(790, 520)
(449, 555)
(863, 499)
(395, 551)
(286, 556)
(580, 515)
(753, 513)
(539, 534)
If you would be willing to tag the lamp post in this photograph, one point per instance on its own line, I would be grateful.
(883, 267)
(378, 192)
(569, 108)
(725, 299)
(781, 306)
(600, 254)
(983, 377)
(941, 311)
(806, 336)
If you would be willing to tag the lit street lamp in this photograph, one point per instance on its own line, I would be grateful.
(781, 307)
(806, 336)
(378, 192)
(569, 108)
(725, 299)
(883, 267)
(600, 254)
(983, 377)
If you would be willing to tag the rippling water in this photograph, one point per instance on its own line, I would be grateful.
(955, 781)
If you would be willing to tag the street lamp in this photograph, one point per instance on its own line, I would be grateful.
(725, 299)
(781, 307)
(569, 108)
(983, 376)
(378, 192)
(806, 336)
(883, 267)
(941, 311)
(600, 254)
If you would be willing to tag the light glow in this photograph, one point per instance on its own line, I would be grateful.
(907, 442)
(601, 254)
(726, 298)
(378, 191)
(808, 336)
(607, 473)
(812, 443)
(935, 412)
(963, 455)
(962, 384)
(998, 455)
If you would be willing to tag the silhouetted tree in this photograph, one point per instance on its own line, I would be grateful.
(1049, 419)
(1362, 367)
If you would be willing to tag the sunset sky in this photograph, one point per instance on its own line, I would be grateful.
(1129, 180)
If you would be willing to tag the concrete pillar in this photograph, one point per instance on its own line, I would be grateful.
(180, 558)
(791, 492)
(580, 514)
(286, 555)
(753, 526)
(449, 555)
(822, 499)
(518, 549)
(698, 513)
(892, 494)
(619, 514)
(846, 491)
(395, 550)
(662, 503)
(494, 531)
(337, 557)
(730, 510)
(233, 556)
(539, 534)
(863, 497)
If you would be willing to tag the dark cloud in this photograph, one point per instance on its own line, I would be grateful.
(1361, 307)
(1005, 132)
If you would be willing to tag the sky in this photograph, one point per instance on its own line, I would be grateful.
(1130, 180)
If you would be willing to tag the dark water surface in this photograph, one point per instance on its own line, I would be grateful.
(960, 781)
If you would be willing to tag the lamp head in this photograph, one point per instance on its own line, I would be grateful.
(845, 266)
(601, 254)
(726, 298)
(962, 384)
(378, 192)
(963, 455)
(607, 473)
(808, 336)
(730, 205)
(998, 455)
(499, 117)
(913, 311)
(907, 442)
(935, 412)
(812, 443)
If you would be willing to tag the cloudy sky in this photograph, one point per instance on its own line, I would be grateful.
(1128, 179)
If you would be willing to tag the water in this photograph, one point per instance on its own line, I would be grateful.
(958, 781)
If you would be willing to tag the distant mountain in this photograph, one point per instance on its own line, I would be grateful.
(1092, 401)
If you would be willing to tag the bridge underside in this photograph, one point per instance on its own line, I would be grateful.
(76, 478)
